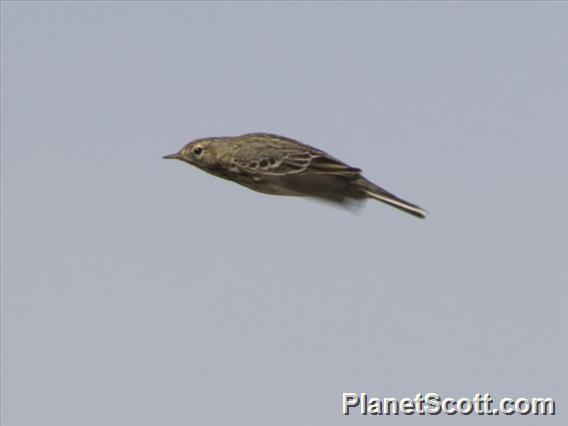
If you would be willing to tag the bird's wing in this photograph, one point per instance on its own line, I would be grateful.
(280, 157)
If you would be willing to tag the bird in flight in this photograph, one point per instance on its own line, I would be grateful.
(278, 165)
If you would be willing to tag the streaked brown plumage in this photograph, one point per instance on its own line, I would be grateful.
(278, 165)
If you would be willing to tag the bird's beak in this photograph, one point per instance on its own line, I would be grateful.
(175, 156)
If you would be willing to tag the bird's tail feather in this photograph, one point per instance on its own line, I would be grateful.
(378, 193)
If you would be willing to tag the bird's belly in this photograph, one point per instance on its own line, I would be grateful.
(266, 184)
(270, 188)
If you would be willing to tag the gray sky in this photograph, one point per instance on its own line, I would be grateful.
(138, 291)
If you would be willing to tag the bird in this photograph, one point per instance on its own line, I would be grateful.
(278, 165)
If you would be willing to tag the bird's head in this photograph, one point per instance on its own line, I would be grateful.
(200, 153)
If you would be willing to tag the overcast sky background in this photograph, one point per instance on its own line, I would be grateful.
(138, 291)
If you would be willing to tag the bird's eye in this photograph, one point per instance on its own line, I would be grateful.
(197, 150)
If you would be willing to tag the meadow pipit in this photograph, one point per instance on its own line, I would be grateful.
(278, 165)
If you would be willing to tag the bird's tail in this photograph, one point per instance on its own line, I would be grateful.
(378, 193)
